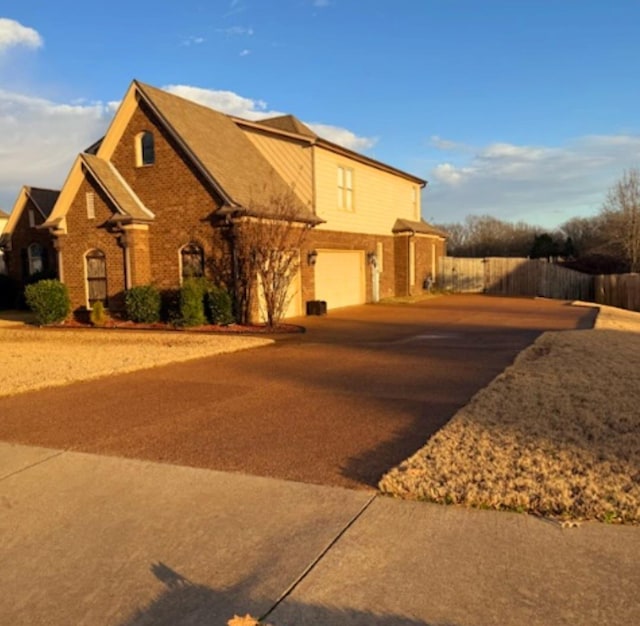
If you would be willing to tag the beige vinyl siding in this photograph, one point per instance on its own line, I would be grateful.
(379, 198)
(289, 158)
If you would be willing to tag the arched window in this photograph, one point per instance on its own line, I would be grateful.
(36, 257)
(96, 276)
(145, 149)
(191, 261)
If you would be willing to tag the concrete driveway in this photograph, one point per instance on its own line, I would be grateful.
(356, 394)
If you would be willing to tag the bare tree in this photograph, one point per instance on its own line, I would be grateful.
(621, 212)
(267, 243)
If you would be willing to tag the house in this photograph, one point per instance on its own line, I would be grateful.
(4, 218)
(29, 251)
(157, 197)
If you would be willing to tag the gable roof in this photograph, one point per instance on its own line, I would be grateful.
(288, 123)
(111, 182)
(235, 167)
(419, 228)
(43, 199)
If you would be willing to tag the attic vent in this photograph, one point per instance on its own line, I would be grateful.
(32, 218)
(91, 209)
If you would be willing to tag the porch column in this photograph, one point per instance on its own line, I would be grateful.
(137, 255)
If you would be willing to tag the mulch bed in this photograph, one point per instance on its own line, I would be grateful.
(236, 329)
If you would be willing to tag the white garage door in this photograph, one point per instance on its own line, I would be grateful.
(340, 277)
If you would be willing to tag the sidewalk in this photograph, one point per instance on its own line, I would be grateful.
(105, 541)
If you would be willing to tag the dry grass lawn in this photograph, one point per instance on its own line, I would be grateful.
(33, 358)
(556, 434)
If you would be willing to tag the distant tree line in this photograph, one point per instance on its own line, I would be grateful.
(608, 242)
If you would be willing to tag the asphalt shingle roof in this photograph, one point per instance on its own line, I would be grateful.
(44, 199)
(116, 188)
(421, 228)
(227, 156)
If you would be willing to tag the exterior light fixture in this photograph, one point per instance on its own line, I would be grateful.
(312, 257)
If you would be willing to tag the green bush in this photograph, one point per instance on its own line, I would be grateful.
(142, 304)
(192, 302)
(98, 314)
(219, 306)
(49, 300)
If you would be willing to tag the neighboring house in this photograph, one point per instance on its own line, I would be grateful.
(4, 218)
(158, 196)
(28, 250)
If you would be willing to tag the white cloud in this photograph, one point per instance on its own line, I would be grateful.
(343, 137)
(40, 139)
(193, 41)
(233, 104)
(13, 33)
(321, 3)
(245, 52)
(237, 30)
(225, 101)
(540, 184)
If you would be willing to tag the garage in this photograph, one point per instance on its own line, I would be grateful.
(339, 277)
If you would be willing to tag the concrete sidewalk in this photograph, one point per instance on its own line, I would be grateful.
(100, 540)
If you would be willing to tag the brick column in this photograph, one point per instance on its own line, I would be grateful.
(137, 255)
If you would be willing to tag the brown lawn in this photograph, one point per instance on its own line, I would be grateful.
(556, 434)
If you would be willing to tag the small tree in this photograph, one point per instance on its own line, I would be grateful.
(621, 211)
(267, 242)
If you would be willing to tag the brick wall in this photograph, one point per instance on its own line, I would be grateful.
(86, 234)
(176, 193)
(325, 239)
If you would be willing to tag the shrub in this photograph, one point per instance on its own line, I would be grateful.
(192, 297)
(219, 306)
(142, 304)
(49, 300)
(98, 315)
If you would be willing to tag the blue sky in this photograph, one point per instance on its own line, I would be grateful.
(525, 110)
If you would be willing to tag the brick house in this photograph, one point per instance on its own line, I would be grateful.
(159, 194)
(28, 250)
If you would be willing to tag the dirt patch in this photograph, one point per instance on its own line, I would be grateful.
(557, 434)
(35, 358)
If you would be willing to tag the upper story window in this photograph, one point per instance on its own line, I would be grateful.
(36, 254)
(191, 261)
(32, 218)
(345, 188)
(145, 149)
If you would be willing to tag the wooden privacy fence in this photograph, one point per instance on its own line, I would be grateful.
(513, 277)
(621, 290)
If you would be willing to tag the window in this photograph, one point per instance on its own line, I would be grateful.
(36, 258)
(345, 188)
(32, 218)
(191, 261)
(91, 207)
(145, 149)
(96, 274)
